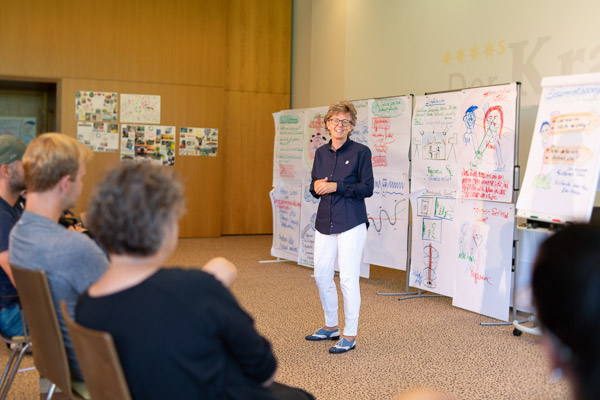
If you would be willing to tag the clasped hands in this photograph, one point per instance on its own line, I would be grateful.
(322, 186)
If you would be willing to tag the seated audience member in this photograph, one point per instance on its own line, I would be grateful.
(12, 183)
(54, 166)
(566, 291)
(180, 334)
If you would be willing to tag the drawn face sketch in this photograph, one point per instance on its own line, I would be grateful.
(470, 118)
(493, 122)
(492, 125)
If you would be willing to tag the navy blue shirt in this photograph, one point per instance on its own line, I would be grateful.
(350, 167)
(9, 216)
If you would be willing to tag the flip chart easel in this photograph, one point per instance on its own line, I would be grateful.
(564, 161)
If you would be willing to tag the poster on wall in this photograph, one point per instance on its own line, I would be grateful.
(486, 149)
(483, 257)
(433, 244)
(95, 106)
(99, 136)
(149, 144)
(24, 128)
(198, 141)
(387, 212)
(389, 132)
(140, 109)
(286, 203)
(288, 157)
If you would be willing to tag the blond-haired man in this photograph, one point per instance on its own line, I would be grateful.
(54, 166)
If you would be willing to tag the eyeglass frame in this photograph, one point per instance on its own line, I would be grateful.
(348, 122)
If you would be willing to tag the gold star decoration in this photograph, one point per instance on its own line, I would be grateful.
(474, 52)
(460, 55)
(447, 58)
(489, 49)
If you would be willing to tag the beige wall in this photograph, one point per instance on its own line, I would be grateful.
(215, 64)
(395, 47)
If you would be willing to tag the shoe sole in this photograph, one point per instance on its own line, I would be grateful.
(320, 339)
(342, 352)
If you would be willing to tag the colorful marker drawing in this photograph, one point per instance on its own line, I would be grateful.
(392, 219)
(432, 229)
(315, 135)
(469, 119)
(493, 122)
(435, 146)
(430, 257)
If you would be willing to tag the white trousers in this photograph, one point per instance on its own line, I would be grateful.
(348, 248)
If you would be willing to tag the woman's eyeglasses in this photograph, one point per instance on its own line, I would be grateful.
(336, 122)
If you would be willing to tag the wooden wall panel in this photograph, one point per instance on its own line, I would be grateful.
(259, 43)
(181, 41)
(193, 106)
(187, 51)
(249, 161)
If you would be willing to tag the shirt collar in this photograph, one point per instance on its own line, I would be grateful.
(342, 148)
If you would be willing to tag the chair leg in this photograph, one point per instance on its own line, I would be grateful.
(51, 392)
(9, 367)
(22, 349)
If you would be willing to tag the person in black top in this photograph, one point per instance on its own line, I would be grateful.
(342, 177)
(180, 334)
(12, 183)
(566, 293)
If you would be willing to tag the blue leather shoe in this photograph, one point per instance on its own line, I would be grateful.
(323, 334)
(343, 346)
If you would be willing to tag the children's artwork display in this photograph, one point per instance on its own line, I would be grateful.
(563, 167)
(24, 128)
(387, 212)
(389, 132)
(140, 109)
(286, 202)
(483, 257)
(289, 165)
(150, 144)
(434, 238)
(95, 106)
(198, 141)
(99, 136)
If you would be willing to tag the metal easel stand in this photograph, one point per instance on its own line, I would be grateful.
(271, 261)
(409, 295)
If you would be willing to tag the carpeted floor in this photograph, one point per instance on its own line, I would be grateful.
(419, 342)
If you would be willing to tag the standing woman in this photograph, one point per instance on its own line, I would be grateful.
(342, 177)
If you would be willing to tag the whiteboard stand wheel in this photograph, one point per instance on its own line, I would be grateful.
(517, 332)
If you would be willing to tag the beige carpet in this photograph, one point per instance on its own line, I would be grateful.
(420, 342)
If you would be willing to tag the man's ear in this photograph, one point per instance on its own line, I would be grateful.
(63, 183)
(5, 171)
